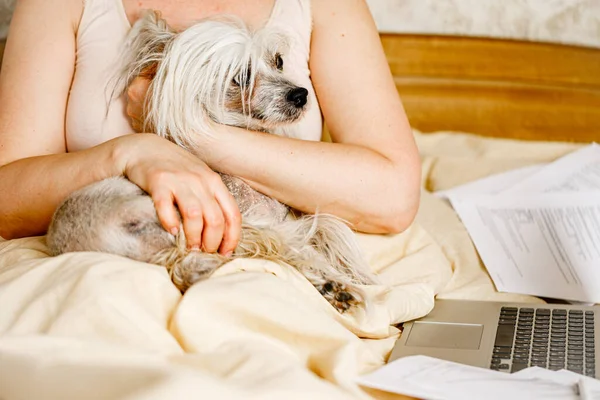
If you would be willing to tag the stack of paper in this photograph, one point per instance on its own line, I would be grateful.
(433, 379)
(537, 229)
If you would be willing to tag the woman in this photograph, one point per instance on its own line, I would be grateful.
(54, 138)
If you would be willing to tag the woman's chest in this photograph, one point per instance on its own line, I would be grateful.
(94, 117)
(182, 13)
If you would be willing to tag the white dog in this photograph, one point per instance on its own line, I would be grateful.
(216, 70)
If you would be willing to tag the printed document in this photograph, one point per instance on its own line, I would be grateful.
(546, 245)
(539, 235)
(578, 171)
(434, 379)
(493, 184)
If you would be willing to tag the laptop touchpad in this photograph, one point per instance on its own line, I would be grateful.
(445, 335)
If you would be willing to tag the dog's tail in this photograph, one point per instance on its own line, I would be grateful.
(324, 234)
(331, 237)
(322, 247)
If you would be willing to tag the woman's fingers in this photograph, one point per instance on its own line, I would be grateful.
(191, 209)
(166, 211)
(233, 221)
(214, 226)
(178, 181)
(221, 217)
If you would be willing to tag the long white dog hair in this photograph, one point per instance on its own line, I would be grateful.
(226, 61)
(215, 71)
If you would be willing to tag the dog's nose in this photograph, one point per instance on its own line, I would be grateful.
(297, 97)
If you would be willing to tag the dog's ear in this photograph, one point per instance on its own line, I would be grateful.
(141, 53)
(146, 44)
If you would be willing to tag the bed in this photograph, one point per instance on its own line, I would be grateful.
(102, 327)
(482, 105)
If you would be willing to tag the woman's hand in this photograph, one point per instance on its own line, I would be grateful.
(136, 97)
(177, 178)
(173, 177)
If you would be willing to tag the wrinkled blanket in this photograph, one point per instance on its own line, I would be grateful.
(96, 326)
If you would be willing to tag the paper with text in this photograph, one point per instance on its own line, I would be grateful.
(577, 171)
(434, 379)
(588, 388)
(537, 229)
(492, 184)
(544, 245)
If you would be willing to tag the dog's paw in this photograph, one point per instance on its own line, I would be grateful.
(195, 267)
(339, 296)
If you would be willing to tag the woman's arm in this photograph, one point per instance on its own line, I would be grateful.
(37, 69)
(370, 175)
(36, 173)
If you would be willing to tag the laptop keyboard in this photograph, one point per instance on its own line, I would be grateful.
(553, 339)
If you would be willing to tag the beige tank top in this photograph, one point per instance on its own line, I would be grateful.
(90, 120)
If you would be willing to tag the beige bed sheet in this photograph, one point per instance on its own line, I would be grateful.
(91, 326)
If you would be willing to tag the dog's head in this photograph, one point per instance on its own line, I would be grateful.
(216, 69)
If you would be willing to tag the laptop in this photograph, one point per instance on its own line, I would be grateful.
(506, 337)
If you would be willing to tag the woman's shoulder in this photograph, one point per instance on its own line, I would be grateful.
(318, 10)
(73, 9)
(323, 11)
(37, 72)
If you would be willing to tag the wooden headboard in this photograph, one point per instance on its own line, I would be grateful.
(495, 87)
(500, 88)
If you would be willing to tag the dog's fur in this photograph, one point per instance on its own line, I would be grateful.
(216, 70)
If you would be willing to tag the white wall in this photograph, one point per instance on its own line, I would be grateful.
(561, 21)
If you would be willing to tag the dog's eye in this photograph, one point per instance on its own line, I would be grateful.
(278, 61)
(243, 78)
